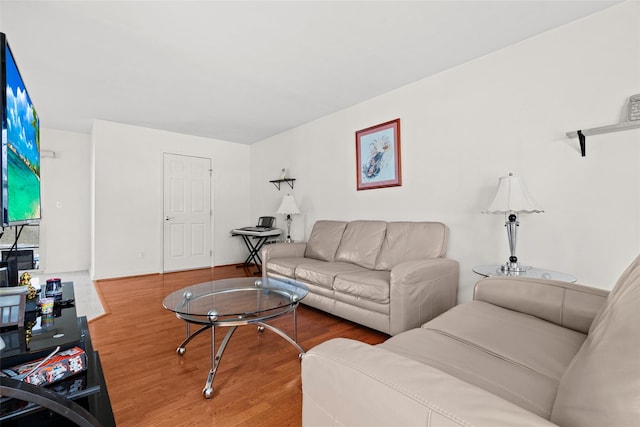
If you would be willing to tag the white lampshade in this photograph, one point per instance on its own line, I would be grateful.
(512, 196)
(288, 206)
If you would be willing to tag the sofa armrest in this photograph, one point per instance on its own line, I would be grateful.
(566, 304)
(282, 250)
(350, 383)
(421, 290)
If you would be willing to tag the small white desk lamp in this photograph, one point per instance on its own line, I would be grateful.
(512, 198)
(288, 207)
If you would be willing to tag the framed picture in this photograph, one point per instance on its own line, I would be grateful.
(378, 156)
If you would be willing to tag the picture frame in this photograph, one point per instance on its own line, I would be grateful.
(378, 161)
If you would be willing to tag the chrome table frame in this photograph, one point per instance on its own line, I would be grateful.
(212, 319)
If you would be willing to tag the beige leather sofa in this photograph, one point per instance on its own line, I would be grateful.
(389, 276)
(525, 352)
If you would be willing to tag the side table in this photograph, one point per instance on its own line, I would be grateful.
(538, 273)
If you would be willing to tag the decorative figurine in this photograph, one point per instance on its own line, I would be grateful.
(28, 332)
(25, 280)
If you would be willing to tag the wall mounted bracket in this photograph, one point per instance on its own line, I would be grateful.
(582, 134)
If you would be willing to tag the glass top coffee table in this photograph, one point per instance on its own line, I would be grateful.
(232, 303)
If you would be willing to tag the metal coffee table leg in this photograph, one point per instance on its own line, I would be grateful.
(207, 391)
(182, 347)
(283, 335)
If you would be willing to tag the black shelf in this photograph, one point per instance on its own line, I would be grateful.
(277, 182)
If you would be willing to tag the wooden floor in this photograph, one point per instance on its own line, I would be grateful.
(257, 383)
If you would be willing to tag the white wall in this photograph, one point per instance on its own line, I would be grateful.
(461, 130)
(127, 187)
(64, 229)
(464, 128)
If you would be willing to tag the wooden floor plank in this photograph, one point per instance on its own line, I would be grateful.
(258, 380)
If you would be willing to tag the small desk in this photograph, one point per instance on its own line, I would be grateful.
(254, 239)
(537, 273)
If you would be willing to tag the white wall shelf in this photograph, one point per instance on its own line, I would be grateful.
(582, 134)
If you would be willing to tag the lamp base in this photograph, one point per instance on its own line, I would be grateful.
(288, 239)
(513, 268)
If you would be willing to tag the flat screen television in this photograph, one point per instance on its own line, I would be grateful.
(20, 146)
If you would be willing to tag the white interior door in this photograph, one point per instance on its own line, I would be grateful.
(187, 212)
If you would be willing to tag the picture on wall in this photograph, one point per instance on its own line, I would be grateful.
(378, 156)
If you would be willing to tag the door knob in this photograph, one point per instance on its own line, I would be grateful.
(168, 218)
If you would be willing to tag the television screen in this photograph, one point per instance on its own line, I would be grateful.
(20, 147)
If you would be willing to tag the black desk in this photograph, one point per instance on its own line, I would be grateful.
(88, 388)
(254, 240)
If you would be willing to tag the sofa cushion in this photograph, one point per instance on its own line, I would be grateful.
(323, 273)
(361, 242)
(516, 356)
(370, 285)
(473, 365)
(324, 240)
(602, 384)
(566, 304)
(287, 266)
(408, 241)
(523, 339)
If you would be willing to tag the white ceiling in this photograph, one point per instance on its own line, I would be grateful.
(245, 70)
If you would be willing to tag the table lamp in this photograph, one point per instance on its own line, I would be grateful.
(512, 199)
(288, 207)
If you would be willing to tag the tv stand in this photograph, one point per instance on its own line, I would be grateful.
(47, 399)
(35, 408)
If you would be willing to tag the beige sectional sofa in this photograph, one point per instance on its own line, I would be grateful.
(524, 352)
(390, 276)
